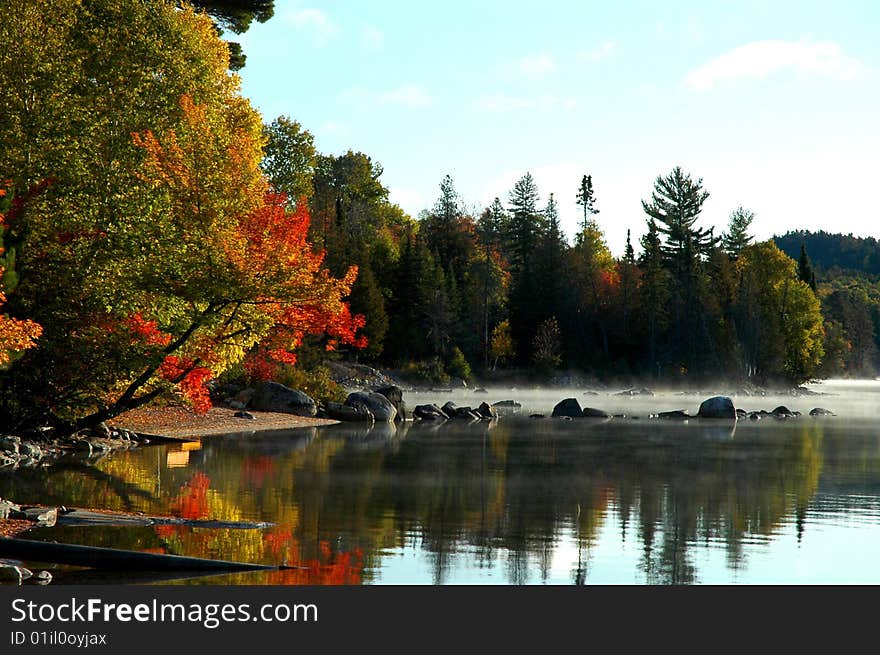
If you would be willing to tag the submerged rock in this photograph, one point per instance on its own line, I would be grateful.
(592, 412)
(676, 414)
(821, 411)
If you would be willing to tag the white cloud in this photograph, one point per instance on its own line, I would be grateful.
(314, 21)
(603, 50)
(537, 66)
(372, 38)
(505, 103)
(760, 59)
(409, 95)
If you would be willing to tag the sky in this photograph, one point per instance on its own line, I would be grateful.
(774, 105)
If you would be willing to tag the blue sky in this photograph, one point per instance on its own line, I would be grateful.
(774, 104)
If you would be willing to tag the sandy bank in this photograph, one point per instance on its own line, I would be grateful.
(182, 423)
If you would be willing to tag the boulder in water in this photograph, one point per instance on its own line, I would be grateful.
(375, 403)
(429, 413)
(717, 407)
(274, 397)
(569, 407)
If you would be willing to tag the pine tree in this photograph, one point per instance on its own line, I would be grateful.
(629, 275)
(737, 236)
(676, 203)
(367, 299)
(654, 292)
(550, 261)
(525, 229)
(525, 223)
(587, 199)
(805, 269)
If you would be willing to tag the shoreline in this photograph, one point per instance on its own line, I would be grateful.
(180, 423)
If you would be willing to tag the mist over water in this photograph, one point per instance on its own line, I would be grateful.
(846, 398)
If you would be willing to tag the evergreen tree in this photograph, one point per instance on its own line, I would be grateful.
(628, 273)
(235, 16)
(525, 224)
(449, 232)
(525, 229)
(367, 299)
(405, 340)
(676, 204)
(737, 236)
(805, 269)
(551, 261)
(587, 199)
(654, 293)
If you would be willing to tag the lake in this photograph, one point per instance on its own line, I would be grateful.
(517, 501)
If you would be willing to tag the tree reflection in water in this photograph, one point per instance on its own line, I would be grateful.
(493, 497)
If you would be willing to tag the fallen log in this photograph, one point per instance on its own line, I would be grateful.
(52, 516)
(84, 517)
(116, 560)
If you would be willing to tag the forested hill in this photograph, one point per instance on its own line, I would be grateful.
(827, 251)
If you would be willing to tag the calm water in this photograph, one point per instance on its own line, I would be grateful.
(520, 501)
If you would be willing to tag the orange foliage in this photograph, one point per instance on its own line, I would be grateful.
(192, 501)
(306, 300)
(15, 335)
(147, 331)
(191, 379)
(262, 271)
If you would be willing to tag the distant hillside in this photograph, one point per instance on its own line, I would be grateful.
(833, 252)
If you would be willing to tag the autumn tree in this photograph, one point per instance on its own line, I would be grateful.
(16, 335)
(154, 258)
(779, 317)
(594, 281)
(547, 345)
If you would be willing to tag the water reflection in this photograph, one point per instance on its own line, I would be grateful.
(516, 501)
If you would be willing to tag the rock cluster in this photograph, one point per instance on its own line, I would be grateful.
(43, 447)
